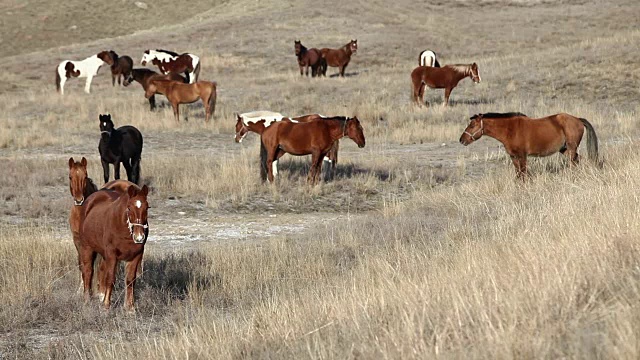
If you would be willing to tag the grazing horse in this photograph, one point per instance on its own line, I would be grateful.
(115, 226)
(87, 68)
(339, 57)
(120, 65)
(523, 136)
(257, 121)
(145, 76)
(179, 93)
(315, 138)
(123, 144)
(428, 58)
(309, 58)
(446, 78)
(171, 62)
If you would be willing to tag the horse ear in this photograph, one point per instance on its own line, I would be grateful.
(83, 162)
(144, 191)
(131, 191)
(71, 162)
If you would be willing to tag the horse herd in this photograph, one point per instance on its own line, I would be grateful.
(112, 221)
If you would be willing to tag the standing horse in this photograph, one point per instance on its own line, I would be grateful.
(315, 138)
(309, 58)
(171, 62)
(87, 68)
(428, 58)
(115, 226)
(145, 76)
(120, 65)
(523, 136)
(446, 78)
(178, 93)
(123, 144)
(339, 57)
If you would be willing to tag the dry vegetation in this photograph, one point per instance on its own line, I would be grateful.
(419, 248)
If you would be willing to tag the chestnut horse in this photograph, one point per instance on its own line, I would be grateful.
(120, 65)
(523, 136)
(121, 145)
(144, 77)
(171, 62)
(315, 138)
(178, 93)
(446, 78)
(87, 68)
(339, 57)
(115, 227)
(309, 58)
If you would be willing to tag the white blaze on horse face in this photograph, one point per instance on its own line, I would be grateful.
(138, 204)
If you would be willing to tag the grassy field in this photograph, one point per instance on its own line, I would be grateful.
(420, 248)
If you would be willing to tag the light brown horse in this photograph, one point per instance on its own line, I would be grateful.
(115, 227)
(339, 57)
(446, 78)
(523, 136)
(145, 76)
(179, 93)
(315, 138)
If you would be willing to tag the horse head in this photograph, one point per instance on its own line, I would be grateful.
(241, 129)
(298, 47)
(137, 208)
(106, 57)
(146, 56)
(151, 89)
(128, 78)
(106, 125)
(77, 180)
(475, 73)
(354, 131)
(353, 45)
(470, 134)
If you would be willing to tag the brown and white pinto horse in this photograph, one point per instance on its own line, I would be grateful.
(145, 76)
(171, 62)
(315, 138)
(87, 68)
(523, 136)
(339, 57)
(120, 65)
(446, 77)
(309, 58)
(179, 93)
(115, 227)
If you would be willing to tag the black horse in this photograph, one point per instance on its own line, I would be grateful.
(121, 145)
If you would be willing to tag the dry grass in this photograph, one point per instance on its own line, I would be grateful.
(420, 247)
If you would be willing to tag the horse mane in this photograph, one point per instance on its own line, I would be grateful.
(168, 52)
(461, 68)
(493, 115)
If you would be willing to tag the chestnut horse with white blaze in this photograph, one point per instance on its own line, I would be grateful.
(339, 58)
(315, 138)
(523, 136)
(179, 93)
(446, 77)
(171, 62)
(87, 68)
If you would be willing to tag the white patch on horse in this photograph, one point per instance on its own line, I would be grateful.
(427, 58)
(275, 167)
(87, 68)
(326, 158)
(138, 204)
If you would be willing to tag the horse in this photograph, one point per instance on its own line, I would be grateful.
(178, 93)
(123, 144)
(428, 58)
(120, 65)
(115, 227)
(171, 62)
(87, 68)
(309, 58)
(257, 121)
(315, 138)
(446, 78)
(523, 136)
(339, 57)
(144, 77)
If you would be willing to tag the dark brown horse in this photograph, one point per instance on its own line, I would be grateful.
(171, 62)
(523, 136)
(309, 58)
(446, 78)
(178, 93)
(120, 65)
(339, 57)
(315, 138)
(115, 227)
(145, 76)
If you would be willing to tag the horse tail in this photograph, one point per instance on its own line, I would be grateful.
(196, 71)
(592, 140)
(58, 79)
(212, 97)
(436, 64)
(263, 161)
(420, 58)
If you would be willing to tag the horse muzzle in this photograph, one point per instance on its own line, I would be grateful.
(139, 239)
(78, 202)
(143, 62)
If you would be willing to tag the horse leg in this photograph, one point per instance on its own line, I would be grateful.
(301, 69)
(131, 272)
(152, 102)
(135, 169)
(520, 163)
(119, 79)
(87, 256)
(447, 93)
(113, 80)
(344, 68)
(270, 161)
(129, 169)
(63, 79)
(102, 286)
(116, 170)
(176, 111)
(333, 156)
(87, 85)
(316, 167)
(110, 268)
(105, 170)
